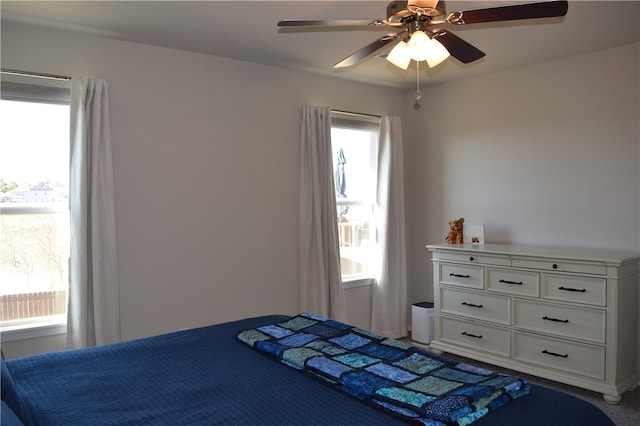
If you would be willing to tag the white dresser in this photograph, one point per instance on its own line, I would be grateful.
(565, 314)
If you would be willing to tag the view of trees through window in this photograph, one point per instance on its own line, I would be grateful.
(354, 162)
(34, 210)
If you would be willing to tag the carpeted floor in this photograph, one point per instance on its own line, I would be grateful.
(626, 413)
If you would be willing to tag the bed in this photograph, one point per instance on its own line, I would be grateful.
(215, 375)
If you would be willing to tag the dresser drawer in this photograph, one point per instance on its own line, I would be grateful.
(488, 307)
(511, 281)
(473, 257)
(560, 265)
(562, 321)
(592, 291)
(461, 275)
(586, 360)
(477, 336)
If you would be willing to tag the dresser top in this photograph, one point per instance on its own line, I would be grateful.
(574, 253)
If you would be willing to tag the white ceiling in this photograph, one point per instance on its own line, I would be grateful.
(247, 30)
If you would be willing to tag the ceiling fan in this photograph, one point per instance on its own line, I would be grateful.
(419, 28)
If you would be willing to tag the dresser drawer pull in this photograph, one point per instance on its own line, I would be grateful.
(471, 304)
(555, 354)
(554, 319)
(579, 290)
(459, 276)
(464, 333)
(511, 282)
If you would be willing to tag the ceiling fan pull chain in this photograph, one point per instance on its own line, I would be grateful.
(418, 92)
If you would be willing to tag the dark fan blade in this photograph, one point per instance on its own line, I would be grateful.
(328, 22)
(509, 13)
(367, 50)
(459, 49)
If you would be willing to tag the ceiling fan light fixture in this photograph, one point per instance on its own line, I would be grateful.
(417, 21)
(400, 55)
(437, 53)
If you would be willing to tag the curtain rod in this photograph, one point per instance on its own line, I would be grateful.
(356, 113)
(34, 74)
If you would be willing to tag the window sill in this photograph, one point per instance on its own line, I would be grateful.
(50, 327)
(357, 282)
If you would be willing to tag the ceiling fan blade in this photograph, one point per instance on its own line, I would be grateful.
(329, 22)
(459, 49)
(547, 9)
(367, 50)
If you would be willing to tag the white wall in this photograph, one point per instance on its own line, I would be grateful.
(206, 175)
(547, 154)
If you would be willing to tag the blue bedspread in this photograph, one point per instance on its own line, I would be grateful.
(407, 381)
(206, 376)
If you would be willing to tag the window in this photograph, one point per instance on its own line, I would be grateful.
(34, 207)
(354, 140)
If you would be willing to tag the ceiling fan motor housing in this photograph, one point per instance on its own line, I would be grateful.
(428, 5)
(407, 12)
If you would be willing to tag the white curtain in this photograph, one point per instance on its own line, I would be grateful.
(320, 282)
(389, 310)
(94, 301)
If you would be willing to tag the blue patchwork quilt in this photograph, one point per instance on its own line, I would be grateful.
(404, 380)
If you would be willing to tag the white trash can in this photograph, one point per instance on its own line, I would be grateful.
(422, 322)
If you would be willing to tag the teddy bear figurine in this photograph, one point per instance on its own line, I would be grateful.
(455, 234)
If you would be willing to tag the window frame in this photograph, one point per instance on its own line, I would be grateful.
(48, 90)
(356, 121)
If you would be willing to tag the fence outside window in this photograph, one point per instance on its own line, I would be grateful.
(32, 305)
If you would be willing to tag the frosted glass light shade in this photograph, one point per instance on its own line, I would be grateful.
(437, 53)
(418, 46)
(400, 55)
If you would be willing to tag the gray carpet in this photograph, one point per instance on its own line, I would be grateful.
(626, 413)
